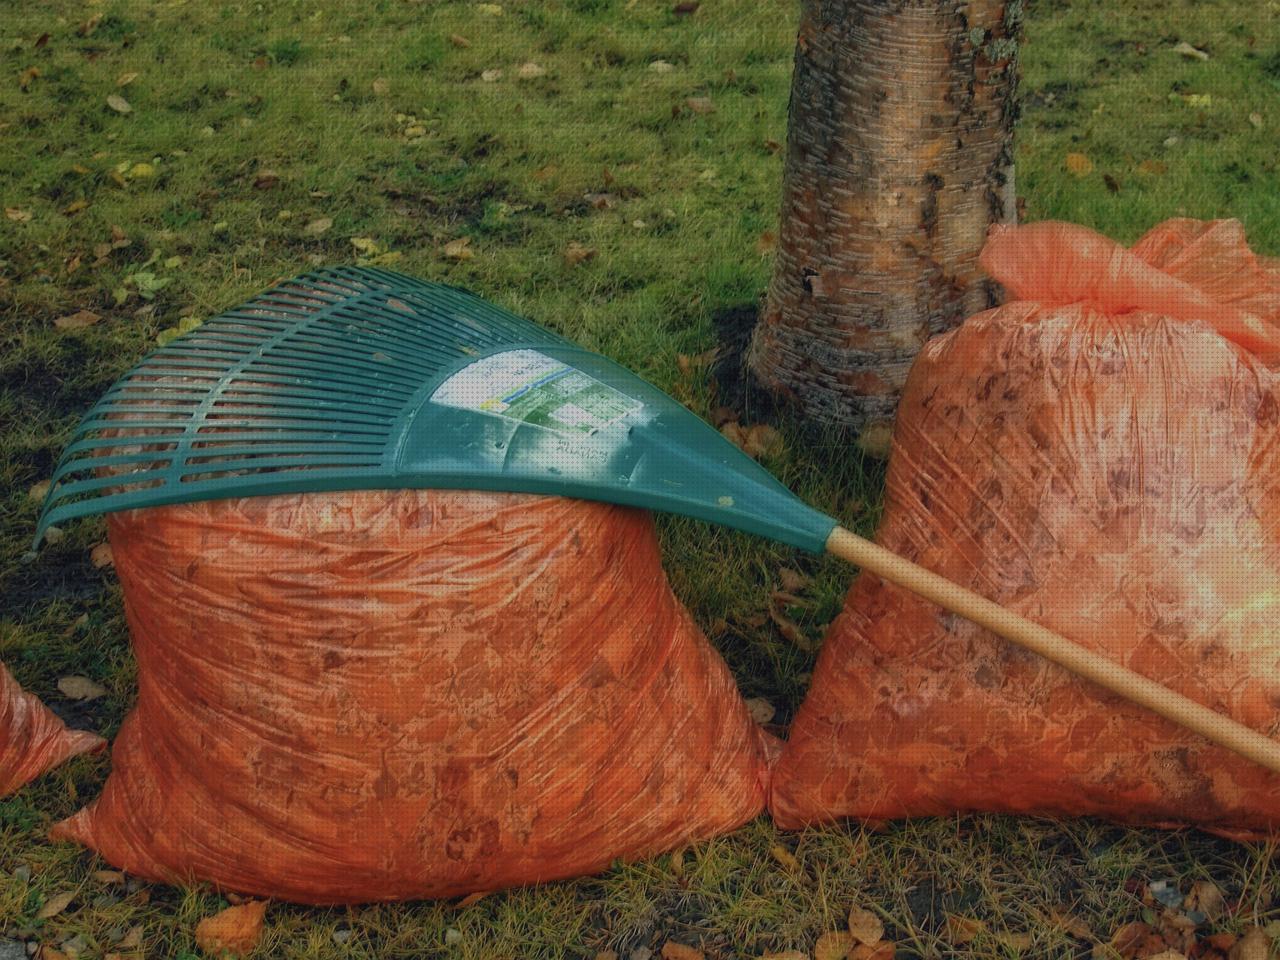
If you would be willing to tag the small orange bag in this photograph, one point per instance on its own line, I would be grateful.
(33, 740)
(1102, 455)
(389, 695)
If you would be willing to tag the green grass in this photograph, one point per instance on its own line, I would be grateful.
(372, 116)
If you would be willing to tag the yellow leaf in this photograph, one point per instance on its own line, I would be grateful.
(125, 79)
(235, 930)
(365, 244)
(77, 321)
(459, 249)
(489, 9)
(531, 71)
(76, 206)
(55, 905)
(119, 104)
(17, 214)
(39, 491)
(1079, 164)
(318, 226)
(100, 556)
(785, 857)
(833, 945)
(575, 254)
(80, 688)
(865, 926)
(141, 171)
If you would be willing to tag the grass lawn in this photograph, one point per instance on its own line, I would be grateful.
(162, 161)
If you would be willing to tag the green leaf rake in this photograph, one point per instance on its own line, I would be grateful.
(365, 379)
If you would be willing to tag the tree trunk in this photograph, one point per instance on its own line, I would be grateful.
(900, 156)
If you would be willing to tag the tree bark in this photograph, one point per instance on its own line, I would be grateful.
(900, 156)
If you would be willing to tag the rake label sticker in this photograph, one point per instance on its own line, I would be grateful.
(531, 387)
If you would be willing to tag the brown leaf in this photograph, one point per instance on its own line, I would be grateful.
(793, 581)
(89, 25)
(773, 146)
(1017, 942)
(575, 254)
(26, 76)
(722, 415)
(601, 201)
(266, 180)
(80, 688)
(678, 951)
(125, 79)
(1207, 898)
(530, 71)
(1112, 183)
(77, 321)
(381, 86)
(686, 8)
(1153, 168)
(865, 926)
(55, 905)
(786, 955)
(318, 226)
(761, 440)
(1069, 923)
(108, 876)
(235, 930)
(76, 206)
(767, 243)
(1130, 940)
(962, 930)
(101, 556)
(701, 105)
(1079, 164)
(733, 433)
(132, 940)
(119, 104)
(52, 953)
(470, 900)
(761, 710)
(17, 214)
(785, 857)
(459, 41)
(790, 630)
(884, 950)
(459, 249)
(41, 41)
(833, 945)
(1254, 945)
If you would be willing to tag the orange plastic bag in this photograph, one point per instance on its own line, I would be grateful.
(1100, 457)
(33, 740)
(389, 695)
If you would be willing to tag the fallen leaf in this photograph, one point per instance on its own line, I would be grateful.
(490, 76)
(38, 491)
(77, 320)
(119, 104)
(686, 8)
(380, 86)
(865, 926)
(459, 41)
(1079, 164)
(1113, 185)
(108, 876)
(132, 940)
(1256, 120)
(761, 710)
(1017, 942)
(365, 244)
(1190, 52)
(1206, 898)
(785, 857)
(1069, 923)
(1153, 168)
(531, 71)
(489, 9)
(17, 214)
(575, 254)
(141, 171)
(701, 105)
(26, 76)
(125, 79)
(266, 180)
(722, 415)
(962, 930)
(1134, 939)
(793, 581)
(235, 930)
(459, 249)
(786, 955)
(89, 25)
(884, 950)
(76, 206)
(789, 629)
(767, 243)
(101, 556)
(1254, 945)
(470, 900)
(52, 953)
(679, 951)
(661, 66)
(80, 688)
(773, 146)
(41, 41)
(55, 904)
(833, 945)
(761, 440)
(318, 226)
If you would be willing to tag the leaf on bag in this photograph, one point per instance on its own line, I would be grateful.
(1079, 164)
(962, 930)
(235, 930)
(575, 254)
(55, 905)
(77, 321)
(679, 951)
(459, 249)
(785, 857)
(761, 710)
(833, 945)
(1190, 52)
(318, 226)
(17, 214)
(865, 926)
(80, 688)
(702, 105)
(119, 104)
(531, 71)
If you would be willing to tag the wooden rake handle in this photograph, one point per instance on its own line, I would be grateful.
(1210, 724)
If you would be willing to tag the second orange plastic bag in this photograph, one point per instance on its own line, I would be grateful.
(1102, 455)
(32, 739)
(389, 695)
